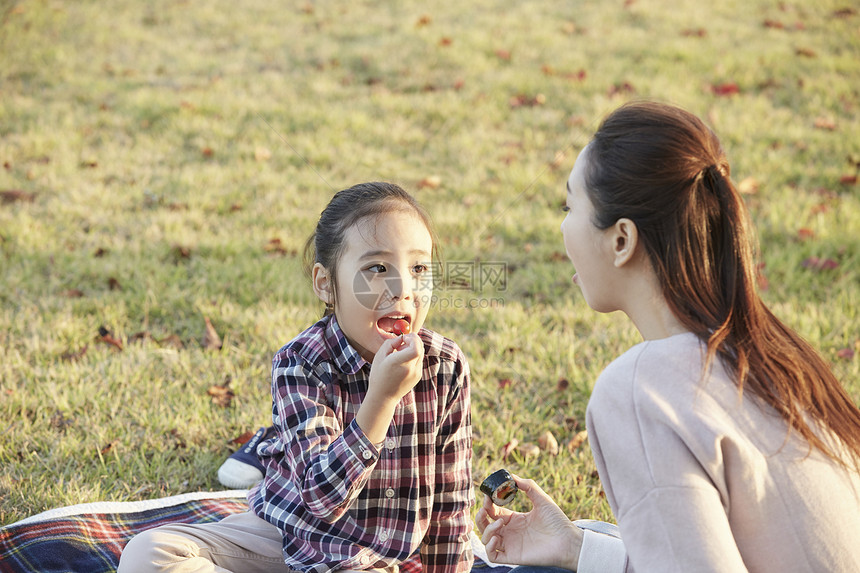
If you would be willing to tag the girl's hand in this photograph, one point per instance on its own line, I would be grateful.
(396, 368)
(544, 536)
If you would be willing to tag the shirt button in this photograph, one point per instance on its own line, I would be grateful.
(366, 454)
(383, 536)
(389, 493)
(390, 443)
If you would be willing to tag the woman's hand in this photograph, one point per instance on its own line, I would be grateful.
(544, 536)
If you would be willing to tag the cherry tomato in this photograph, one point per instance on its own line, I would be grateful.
(401, 326)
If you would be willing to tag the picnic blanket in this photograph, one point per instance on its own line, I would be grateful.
(88, 538)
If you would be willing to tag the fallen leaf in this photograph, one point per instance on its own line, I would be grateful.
(113, 284)
(845, 12)
(846, 353)
(89, 164)
(848, 179)
(181, 252)
(577, 440)
(528, 450)
(445, 41)
(140, 336)
(548, 443)
(262, 154)
(431, 182)
(508, 448)
(773, 24)
(211, 340)
(173, 341)
(503, 55)
(207, 152)
(805, 53)
(242, 438)
(505, 383)
(726, 89)
(817, 264)
(694, 32)
(523, 100)
(235, 207)
(72, 356)
(275, 246)
(804, 233)
(748, 186)
(16, 195)
(100, 252)
(72, 293)
(221, 395)
(107, 337)
(562, 384)
(824, 123)
(108, 447)
(621, 88)
(424, 20)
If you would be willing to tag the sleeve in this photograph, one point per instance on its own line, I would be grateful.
(326, 463)
(447, 546)
(669, 510)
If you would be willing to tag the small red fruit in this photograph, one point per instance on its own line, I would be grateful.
(401, 326)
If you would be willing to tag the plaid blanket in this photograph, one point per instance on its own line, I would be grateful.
(89, 538)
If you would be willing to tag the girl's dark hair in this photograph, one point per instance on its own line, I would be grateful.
(664, 169)
(347, 208)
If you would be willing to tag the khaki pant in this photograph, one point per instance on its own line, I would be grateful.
(239, 543)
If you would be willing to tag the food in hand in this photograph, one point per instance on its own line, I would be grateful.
(401, 326)
(501, 487)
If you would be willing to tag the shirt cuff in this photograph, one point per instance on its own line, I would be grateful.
(601, 553)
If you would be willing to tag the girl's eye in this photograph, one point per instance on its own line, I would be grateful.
(418, 269)
(378, 268)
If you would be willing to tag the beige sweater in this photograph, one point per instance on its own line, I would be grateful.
(702, 480)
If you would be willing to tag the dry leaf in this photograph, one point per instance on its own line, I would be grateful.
(528, 450)
(172, 340)
(262, 154)
(825, 123)
(431, 182)
(803, 234)
(748, 186)
(846, 353)
(505, 383)
(242, 438)
(107, 337)
(221, 395)
(211, 340)
(108, 447)
(71, 356)
(548, 443)
(16, 195)
(817, 264)
(562, 384)
(508, 448)
(726, 89)
(577, 441)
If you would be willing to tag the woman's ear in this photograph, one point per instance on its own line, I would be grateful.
(322, 283)
(625, 240)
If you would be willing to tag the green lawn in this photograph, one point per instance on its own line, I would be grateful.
(165, 161)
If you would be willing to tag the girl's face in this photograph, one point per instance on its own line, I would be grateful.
(586, 245)
(384, 274)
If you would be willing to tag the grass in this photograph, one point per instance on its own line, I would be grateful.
(173, 157)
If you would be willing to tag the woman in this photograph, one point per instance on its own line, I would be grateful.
(723, 441)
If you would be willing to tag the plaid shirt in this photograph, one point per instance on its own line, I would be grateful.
(341, 502)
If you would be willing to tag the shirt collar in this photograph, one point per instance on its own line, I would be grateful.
(347, 358)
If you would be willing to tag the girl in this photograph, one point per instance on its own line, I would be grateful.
(371, 458)
(723, 441)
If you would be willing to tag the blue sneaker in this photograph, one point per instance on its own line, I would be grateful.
(243, 468)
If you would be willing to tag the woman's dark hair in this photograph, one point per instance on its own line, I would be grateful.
(346, 209)
(664, 169)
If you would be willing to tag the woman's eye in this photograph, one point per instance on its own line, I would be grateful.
(565, 208)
